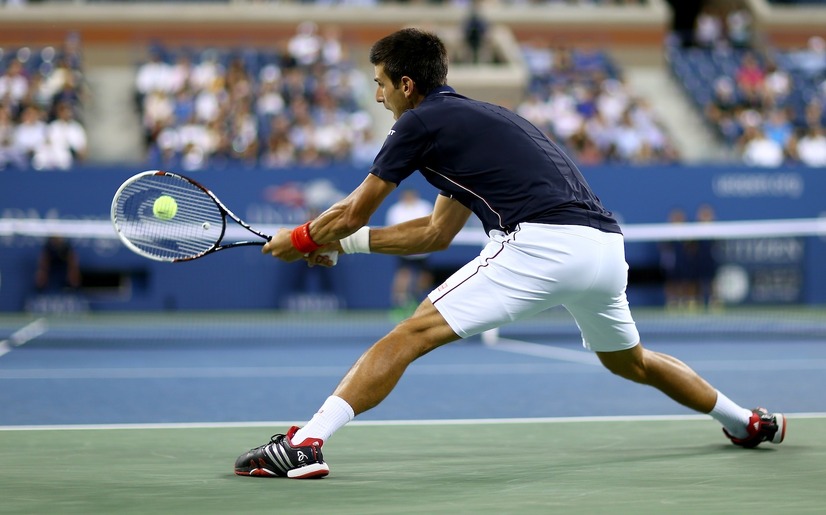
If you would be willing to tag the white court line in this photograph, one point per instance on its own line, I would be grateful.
(382, 423)
(587, 358)
(23, 335)
(249, 372)
(545, 351)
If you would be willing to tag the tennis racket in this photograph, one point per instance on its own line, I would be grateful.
(194, 226)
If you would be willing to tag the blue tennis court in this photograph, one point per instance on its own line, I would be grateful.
(146, 414)
(185, 368)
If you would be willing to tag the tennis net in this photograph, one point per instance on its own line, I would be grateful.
(766, 279)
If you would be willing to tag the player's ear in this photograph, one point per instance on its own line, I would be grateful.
(407, 86)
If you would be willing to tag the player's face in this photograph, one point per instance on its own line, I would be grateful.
(396, 100)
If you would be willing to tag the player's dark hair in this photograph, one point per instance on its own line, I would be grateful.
(415, 53)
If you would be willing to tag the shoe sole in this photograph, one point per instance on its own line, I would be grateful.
(256, 473)
(780, 419)
(314, 471)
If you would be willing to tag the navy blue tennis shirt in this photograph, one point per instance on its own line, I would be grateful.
(493, 161)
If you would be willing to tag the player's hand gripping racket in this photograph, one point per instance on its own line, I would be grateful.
(168, 217)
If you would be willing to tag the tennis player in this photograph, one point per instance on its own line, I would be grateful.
(551, 243)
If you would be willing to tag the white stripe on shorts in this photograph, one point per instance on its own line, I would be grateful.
(539, 266)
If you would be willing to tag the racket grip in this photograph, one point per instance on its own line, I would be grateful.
(333, 255)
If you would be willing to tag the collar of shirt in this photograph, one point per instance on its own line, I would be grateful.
(438, 91)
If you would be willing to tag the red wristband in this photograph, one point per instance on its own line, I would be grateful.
(301, 239)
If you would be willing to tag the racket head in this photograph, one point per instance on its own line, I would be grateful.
(196, 229)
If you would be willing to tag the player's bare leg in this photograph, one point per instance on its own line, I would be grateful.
(666, 373)
(747, 428)
(378, 370)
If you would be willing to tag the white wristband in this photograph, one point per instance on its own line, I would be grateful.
(358, 242)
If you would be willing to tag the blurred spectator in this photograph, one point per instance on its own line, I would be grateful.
(14, 84)
(815, 112)
(627, 141)
(750, 75)
(57, 267)
(71, 93)
(612, 101)
(779, 128)
(270, 102)
(413, 277)
(709, 28)
(50, 155)
(810, 149)
(777, 85)
(305, 46)
(10, 156)
(244, 133)
(674, 266)
(279, 151)
(207, 72)
(332, 49)
(365, 146)
(535, 110)
(58, 82)
(723, 109)
(30, 133)
(811, 61)
(758, 150)
(152, 76)
(586, 150)
(702, 263)
(178, 74)
(739, 28)
(539, 59)
(67, 133)
(475, 33)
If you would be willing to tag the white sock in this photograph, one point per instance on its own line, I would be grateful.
(332, 416)
(733, 417)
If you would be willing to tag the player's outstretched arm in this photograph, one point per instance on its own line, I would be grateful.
(340, 220)
(351, 213)
(421, 235)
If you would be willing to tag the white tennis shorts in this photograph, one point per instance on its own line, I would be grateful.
(539, 266)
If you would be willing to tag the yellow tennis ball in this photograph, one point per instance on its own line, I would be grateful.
(165, 207)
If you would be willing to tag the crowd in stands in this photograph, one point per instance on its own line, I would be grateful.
(41, 107)
(299, 104)
(578, 96)
(767, 105)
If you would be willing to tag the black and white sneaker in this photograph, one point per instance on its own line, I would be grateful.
(280, 458)
(763, 427)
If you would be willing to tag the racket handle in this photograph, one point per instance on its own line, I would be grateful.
(333, 255)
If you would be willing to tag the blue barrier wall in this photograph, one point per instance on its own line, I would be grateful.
(243, 279)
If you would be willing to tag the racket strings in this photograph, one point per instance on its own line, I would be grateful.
(195, 228)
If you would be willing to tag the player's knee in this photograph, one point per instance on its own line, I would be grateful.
(424, 331)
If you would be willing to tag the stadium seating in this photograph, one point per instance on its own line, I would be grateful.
(37, 84)
(704, 72)
(252, 106)
(578, 97)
